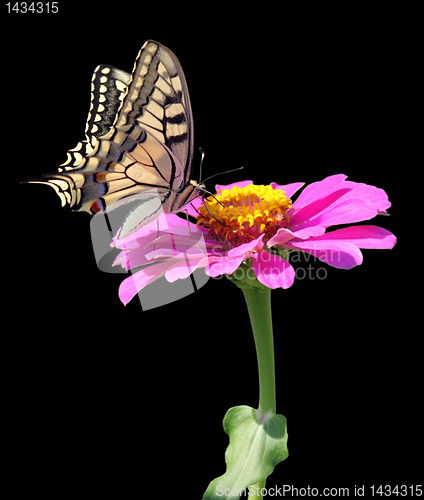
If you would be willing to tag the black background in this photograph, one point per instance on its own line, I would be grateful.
(300, 96)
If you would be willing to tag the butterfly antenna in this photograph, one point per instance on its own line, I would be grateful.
(227, 171)
(202, 152)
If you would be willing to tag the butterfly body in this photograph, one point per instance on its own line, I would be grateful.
(138, 145)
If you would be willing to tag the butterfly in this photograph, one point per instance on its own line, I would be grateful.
(138, 143)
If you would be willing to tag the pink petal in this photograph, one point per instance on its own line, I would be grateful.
(134, 283)
(347, 212)
(184, 267)
(308, 232)
(176, 246)
(340, 254)
(131, 259)
(349, 202)
(311, 211)
(362, 236)
(280, 237)
(229, 262)
(373, 195)
(318, 190)
(289, 189)
(149, 231)
(255, 244)
(165, 223)
(224, 265)
(283, 235)
(272, 270)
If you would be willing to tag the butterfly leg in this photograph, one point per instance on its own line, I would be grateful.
(157, 234)
(213, 216)
(192, 237)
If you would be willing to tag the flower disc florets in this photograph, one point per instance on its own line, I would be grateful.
(240, 215)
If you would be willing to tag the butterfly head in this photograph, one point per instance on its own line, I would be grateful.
(199, 186)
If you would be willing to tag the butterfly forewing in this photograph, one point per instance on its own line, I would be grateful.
(158, 100)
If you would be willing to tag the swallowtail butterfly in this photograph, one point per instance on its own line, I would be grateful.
(138, 144)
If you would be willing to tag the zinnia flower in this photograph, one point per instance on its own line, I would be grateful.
(257, 227)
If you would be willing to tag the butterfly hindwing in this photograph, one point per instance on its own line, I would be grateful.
(108, 87)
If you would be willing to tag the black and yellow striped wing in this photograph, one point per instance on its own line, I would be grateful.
(139, 139)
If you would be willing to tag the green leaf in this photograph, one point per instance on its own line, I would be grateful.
(257, 444)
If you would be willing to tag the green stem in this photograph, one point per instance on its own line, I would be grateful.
(256, 491)
(258, 302)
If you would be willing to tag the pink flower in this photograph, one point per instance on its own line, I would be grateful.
(257, 227)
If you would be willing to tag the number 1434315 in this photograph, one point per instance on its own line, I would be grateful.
(33, 7)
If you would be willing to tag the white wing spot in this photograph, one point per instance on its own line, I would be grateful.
(120, 86)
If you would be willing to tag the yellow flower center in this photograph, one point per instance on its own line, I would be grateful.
(243, 214)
